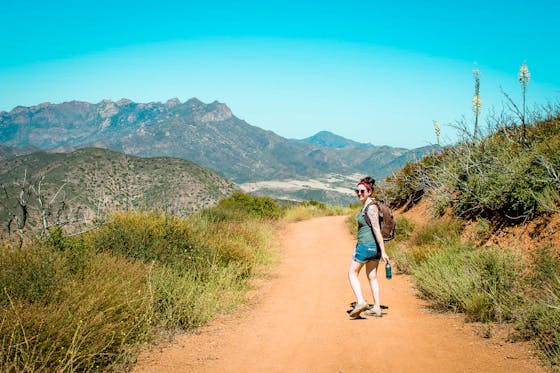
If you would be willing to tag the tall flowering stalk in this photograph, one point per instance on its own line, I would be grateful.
(476, 101)
(437, 128)
(524, 77)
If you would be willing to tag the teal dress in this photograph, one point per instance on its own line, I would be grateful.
(366, 248)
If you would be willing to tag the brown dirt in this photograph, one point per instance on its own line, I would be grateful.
(297, 321)
(543, 231)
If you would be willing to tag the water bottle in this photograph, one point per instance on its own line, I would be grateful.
(388, 272)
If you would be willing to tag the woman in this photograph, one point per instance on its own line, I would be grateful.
(369, 246)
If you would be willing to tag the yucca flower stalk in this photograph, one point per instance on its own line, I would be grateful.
(437, 128)
(476, 101)
(524, 77)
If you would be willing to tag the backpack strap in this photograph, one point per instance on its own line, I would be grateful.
(368, 221)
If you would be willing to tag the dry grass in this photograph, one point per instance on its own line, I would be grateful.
(87, 303)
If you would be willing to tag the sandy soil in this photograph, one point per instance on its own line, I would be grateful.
(296, 321)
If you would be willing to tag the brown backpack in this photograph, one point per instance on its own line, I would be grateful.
(387, 221)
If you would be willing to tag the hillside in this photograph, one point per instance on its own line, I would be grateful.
(10, 151)
(96, 181)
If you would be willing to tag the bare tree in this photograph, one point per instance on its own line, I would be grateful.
(33, 201)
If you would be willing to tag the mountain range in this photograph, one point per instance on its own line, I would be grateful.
(208, 135)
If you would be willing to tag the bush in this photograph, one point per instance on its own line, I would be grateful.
(150, 236)
(482, 283)
(84, 304)
(181, 301)
(30, 273)
(404, 229)
(404, 187)
(537, 317)
(482, 178)
(83, 324)
(438, 233)
(240, 206)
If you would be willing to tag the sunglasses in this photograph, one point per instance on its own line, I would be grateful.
(360, 191)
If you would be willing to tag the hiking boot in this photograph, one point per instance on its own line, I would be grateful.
(358, 308)
(372, 311)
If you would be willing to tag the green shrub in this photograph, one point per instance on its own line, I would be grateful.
(84, 324)
(537, 317)
(481, 283)
(405, 186)
(80, 304)
(444, 278)
(482, 229)
(32, 272)
(181, 301)
(482, 177)
(148, 236)
(438, 233)
(544, 268)
(405, 228)
(240, 206)
(497, 289)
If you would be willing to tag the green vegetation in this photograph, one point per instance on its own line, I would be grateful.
(239, 205)
(506, 177)
(501, 175)
(88, 302)
(487, 284)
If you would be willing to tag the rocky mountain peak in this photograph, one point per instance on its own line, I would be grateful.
(172, 102)
(107, 109)
(216, 112)
(194, 103)
(124, 101)
(19, 109)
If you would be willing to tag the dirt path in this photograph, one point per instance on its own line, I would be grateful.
(297, 322)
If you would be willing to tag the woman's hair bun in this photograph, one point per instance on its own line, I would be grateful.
(369, 180)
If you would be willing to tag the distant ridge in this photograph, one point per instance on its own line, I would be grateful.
(12, 151)
(330, 140)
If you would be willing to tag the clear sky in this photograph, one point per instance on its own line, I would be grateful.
(371, 71)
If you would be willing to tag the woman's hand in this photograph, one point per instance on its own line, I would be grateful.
(385, 257)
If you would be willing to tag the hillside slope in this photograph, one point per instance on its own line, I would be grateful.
(96, 181)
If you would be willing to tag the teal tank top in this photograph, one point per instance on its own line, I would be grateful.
(365, 235)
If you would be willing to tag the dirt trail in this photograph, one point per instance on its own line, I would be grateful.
(297, 322)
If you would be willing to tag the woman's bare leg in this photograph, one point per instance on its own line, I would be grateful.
(353, 272)
(371, 270)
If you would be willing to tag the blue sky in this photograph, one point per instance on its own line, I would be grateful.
(367, 70)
